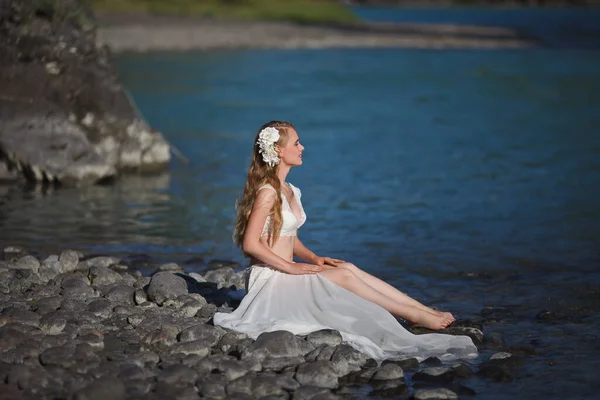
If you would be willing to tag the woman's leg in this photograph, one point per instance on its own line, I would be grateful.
(390, 291)
(348, 280)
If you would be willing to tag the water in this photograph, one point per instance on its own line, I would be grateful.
(466, 178)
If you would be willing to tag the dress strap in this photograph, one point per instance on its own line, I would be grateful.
(266, 186)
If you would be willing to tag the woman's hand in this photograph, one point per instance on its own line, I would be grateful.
(303, 269)
(333, 262)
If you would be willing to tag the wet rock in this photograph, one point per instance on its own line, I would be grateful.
(496, 373)
(165, 285)
(387, 372)
(475, 334)
(255, 386)
(404, 363)
(317, 373)
(435, 374)
(311, 392)
(277, 344)
(435, 394)
(329, 337)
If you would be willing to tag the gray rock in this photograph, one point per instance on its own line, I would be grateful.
(254, 386)
(280, 363)
(191, 307)
(220, 276)
(68, 260)
(317, 373)
(435, 394)
(99, 276)
(49, 270)
(475, 334)
(435, 374)
(77, 288)
(26, 262)
(47, 305)
(52, 324)
(58, 356)
(229, 340)
(310, 393)
(172, 267)
(121, 294)
(139, 296)
(165, 285)
(387, 372)
(178, 374)
(329, 337)
(202, 332)
(347, 354)
(100, 307)
(212, 390)
(195, 347)
(102, 389)
(277, 344)
(102, 261)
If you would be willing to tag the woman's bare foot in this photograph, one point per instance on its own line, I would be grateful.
(432, 321)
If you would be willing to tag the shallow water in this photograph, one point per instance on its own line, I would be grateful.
(468, 179)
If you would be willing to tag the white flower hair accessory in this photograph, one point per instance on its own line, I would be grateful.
(266, 144)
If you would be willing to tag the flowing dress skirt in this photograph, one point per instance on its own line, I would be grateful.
(306, 303)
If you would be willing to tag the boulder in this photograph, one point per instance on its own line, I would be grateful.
(64, 115)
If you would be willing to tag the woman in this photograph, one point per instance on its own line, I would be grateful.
(323, 292)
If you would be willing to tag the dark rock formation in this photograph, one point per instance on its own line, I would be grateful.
(64, 116)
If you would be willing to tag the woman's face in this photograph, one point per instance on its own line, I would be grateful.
(290, 152)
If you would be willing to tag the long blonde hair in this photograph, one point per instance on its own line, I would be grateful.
(259, 174)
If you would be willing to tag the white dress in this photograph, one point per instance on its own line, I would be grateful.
(306, 303)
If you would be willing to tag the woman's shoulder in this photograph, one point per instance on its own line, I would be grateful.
(296, 190)
(265, 186)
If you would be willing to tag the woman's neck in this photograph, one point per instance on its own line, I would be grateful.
(282, 172)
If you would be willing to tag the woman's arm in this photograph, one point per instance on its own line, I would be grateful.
(252, 244)
(302, 252)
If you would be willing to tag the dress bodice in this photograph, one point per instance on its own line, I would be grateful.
(291, 219)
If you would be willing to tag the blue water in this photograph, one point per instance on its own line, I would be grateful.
(467, 178)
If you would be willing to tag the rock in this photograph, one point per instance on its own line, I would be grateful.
(102, 389)
(68, 260)
(255, 386)
(52, 324)
(172, 267)
(220, 276)
(77, 288)
(317, 373)
(100, 307)
(13, 253)
(64, 116)
(195, 347)
(202, 332)
(329, 337)
(102, 262)
(280, 363)
(121, 294)
(165, 285)
(27, 262)
(178, 374)
(387, 372)
(310, 392)
(100, 276)
(475, 334)
(277, 344)
(435, 374)
(435, 394)
(139, 296)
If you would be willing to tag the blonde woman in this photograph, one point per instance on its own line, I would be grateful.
(321, 292)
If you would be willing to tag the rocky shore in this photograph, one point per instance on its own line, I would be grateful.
(94, 327)
(139, 33)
